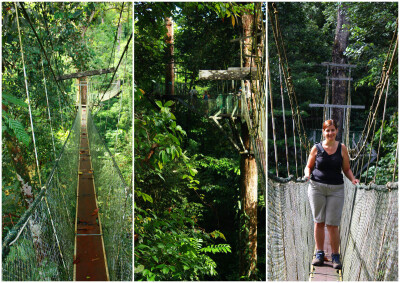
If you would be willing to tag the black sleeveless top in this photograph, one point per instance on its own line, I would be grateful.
(328, 168)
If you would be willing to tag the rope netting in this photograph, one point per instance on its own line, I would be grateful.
(369, 233)
(369, 238)
(40, 246)
(114, 198)
(221, 104)
(290, 232)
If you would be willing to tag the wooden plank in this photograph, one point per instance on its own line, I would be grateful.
(341, 79)
(85, 74)
(325, 272)
(338, 65)
(226, 74)
(253, 69)
(338, 106)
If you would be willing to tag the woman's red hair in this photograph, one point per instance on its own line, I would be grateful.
(329, 123)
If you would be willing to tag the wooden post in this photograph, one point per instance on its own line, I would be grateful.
(169, 71)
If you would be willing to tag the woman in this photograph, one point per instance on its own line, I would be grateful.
(326, 190)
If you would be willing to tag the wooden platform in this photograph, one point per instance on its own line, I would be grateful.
(89, 257)
(326, 272)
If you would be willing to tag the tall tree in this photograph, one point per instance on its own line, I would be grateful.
(339, 87)
(248, 171)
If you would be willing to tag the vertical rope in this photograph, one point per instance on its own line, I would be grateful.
(273, 121)
(370, 152)
(27, 94)
(326, 99)
(120, 104)
(295, 147)
(284, 119)
(33, 132)
(348, 112)
(48, 111)
(395, 162)
(380, 136)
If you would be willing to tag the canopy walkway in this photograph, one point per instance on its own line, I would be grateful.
(368, 232)
(369, 224)
(79, 226)
(41, 245)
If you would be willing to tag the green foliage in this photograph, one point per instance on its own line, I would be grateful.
(170, 245)
(168, 250)
(387, 163)
(200, 181)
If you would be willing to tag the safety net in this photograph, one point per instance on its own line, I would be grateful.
(368, 232)
(290, 231)
(114, 198)
(40, 246)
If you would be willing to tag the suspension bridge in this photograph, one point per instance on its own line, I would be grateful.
(79, 226)
(369, 225)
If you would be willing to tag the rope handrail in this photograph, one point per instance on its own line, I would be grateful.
(390, 186)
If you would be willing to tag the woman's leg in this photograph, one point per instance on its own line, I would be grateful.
(334, 237)
(319, 235)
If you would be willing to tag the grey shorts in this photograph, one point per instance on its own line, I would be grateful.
(326, 202)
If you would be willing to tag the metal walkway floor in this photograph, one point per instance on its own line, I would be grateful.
(90, 260)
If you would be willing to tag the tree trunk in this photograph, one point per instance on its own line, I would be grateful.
(248, 195)
(249, 179)
(339, 88)
(169, 72)
(83, 84)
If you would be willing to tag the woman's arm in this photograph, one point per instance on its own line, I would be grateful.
(310, 162)
(346, 166)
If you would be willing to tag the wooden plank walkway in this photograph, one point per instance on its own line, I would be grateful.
(89, 256)
(325, 272)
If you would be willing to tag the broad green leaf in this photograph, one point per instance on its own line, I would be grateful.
(168, 103)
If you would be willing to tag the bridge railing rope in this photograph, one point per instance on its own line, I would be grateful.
(114, 199)
(39, 246)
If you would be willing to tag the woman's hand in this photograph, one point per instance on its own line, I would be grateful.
(310, 163)
(355, 181)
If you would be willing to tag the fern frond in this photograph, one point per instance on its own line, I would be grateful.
(19, 131)
(13, 100)
(221, 248)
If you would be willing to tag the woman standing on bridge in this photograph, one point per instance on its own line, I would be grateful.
(326, 190)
